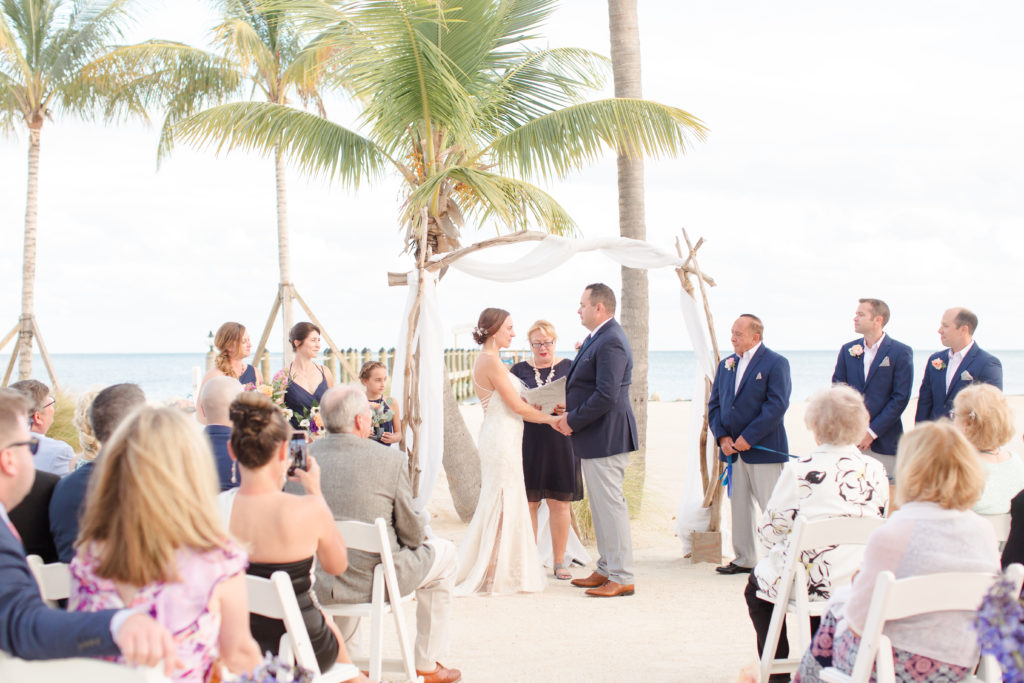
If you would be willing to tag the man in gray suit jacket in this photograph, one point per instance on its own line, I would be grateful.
(363, 480)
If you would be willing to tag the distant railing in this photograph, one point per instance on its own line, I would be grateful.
(459, 363)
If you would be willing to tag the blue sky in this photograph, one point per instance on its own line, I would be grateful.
(855, 150)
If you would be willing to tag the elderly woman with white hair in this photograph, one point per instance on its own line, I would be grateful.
(833, 480)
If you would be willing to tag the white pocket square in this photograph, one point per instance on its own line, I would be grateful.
(758, 376)
(966, 376)
(885, 363)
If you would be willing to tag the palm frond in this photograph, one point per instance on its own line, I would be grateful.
(91, 28)
(484, 196)
(317, 146)
(562, 141)
(11, 50)
(242, 42)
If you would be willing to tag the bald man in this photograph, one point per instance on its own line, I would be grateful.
(961, 364)
(218, 393)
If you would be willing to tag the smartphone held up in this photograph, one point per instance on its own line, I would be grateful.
(298, 452)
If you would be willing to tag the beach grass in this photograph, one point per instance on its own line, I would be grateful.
(63, 412)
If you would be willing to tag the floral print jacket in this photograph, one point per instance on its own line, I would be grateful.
(832, 481)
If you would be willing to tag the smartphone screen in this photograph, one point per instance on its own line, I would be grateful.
(299, 454)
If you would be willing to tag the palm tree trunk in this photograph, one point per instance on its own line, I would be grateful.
(283, 254)
(634, 310)
(28, 263)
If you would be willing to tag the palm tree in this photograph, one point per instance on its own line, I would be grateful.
(624, 32)
(48, 49)
(459, 101)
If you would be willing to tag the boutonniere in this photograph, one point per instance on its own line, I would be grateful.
(938, 364)
(856, 350)
(730, 363)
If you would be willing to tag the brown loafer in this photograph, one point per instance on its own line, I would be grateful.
(610, 590)
(440, 675)
(593, 581)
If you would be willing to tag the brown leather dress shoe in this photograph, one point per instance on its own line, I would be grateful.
(440, 675)
(610, 590)
(593, 581)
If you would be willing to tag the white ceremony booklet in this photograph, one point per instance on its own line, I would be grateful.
(547, 396)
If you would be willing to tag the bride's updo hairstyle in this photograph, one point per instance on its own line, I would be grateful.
(258, 429)
(489, 322)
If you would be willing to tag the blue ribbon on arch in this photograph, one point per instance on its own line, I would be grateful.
(726, 477)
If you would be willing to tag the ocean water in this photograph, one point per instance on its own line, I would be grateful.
(165, 376)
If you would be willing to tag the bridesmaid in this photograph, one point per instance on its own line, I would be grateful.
(234, 346)
(307, 380)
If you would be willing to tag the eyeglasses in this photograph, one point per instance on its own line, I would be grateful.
(33, 445)
(542, 345)
(52, 402)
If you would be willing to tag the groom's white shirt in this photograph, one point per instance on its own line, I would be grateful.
(594, 331)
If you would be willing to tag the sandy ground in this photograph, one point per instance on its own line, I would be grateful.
(685, 622)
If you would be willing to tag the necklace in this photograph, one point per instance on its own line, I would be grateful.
(536, 375)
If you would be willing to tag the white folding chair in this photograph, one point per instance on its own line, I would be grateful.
(78, 669)
(54, 579)
(373, 538)
(892, 600)
(792, 593)
(274, 598)
(1000, 525)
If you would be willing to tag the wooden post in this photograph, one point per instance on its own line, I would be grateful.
(261, 347)
(265, 366)
(46, 357)
(331, 361)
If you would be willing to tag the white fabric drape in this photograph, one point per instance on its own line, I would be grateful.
(546, 255)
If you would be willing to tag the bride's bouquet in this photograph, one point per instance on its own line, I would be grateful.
(275, 391)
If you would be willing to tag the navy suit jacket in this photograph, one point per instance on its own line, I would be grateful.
(597, 395)
(219, 435)
(886, 390)
(66, 507)
(934, 402)
(31, 630)
(757, 409)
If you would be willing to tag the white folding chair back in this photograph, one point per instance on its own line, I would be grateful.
(78, 669)
(385, 596)
(54, 579)
(1001, 526)
(792, 593)
(894, 599)
(274, 598)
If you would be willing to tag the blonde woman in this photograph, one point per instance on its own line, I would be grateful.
(151, 540)
(551, 471)
(938, 479)
(86, 437)
(233, 346)
(983, 414)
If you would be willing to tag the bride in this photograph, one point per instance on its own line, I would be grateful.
(498, 553)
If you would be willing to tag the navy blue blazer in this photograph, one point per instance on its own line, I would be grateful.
(31, 630)
(886, 390)
(219, 435)
(66, 507)
(933, 401)
(757, 409)
(597, 395)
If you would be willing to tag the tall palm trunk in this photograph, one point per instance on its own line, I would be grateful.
(28, 273)
(634, 310)
(283, 254)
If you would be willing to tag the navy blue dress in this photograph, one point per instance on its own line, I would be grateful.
(248, 375)
(550, 469)
(301, 401)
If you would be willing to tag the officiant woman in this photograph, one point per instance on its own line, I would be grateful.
(550, 470)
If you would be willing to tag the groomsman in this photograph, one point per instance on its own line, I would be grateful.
(947, 372)
(748, 402)
(882, 369)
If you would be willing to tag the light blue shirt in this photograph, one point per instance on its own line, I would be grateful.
(53, 455)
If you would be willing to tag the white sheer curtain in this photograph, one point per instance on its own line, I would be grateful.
(546, 255)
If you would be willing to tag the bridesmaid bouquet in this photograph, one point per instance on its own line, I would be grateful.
(1000, 627)
(379, 414)
(276, 670)
(312, 422)
(275, 391)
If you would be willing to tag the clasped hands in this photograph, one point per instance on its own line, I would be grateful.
(562, 423)
(730, 447)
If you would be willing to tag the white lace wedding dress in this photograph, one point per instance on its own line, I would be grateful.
(498, 553)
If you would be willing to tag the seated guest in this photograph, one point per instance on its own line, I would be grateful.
(216, 398)
(364, 480)
(834, 480)
(28, 628)
(109, 407)
(52, 455)
(152, 541)
(939, 477)
(87, 440)
(983, 414)
(1013, 551)
(282, 532)
(31, 517)
(234, 346)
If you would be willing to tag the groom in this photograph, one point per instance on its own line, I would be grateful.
(600, 420)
